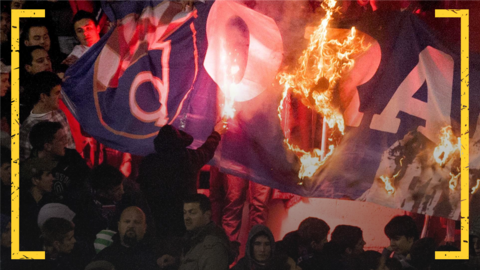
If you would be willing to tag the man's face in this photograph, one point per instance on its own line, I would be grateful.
(194, 217)
(5, 26)
(51, 102)
(132, 226)
(6, 173)
(87, 32)
(7, 237)
(40, 62)
(68, 243)
(57, 146)
(46, 182)
(5, 83)
(17, 4)
(38, 35)
(401, 244)
(262, 248)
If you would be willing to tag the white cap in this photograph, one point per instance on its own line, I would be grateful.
(57, 210)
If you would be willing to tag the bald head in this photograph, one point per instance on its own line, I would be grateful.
(132, 226)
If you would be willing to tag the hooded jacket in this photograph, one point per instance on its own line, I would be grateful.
(170, 174)
(248, 262)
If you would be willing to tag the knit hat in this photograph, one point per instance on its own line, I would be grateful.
(4, 220)
(56, 210)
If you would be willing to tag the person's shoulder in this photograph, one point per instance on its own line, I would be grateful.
(213, 240)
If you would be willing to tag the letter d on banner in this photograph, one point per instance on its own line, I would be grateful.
(15, 46)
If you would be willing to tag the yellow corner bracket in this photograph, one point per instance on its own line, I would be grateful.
(15, 46)
(463, 254)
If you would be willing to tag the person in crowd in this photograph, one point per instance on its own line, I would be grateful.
(62, 251)
(206, 246)
(313, 234)
(36, 182)
(402, 232)
(45, 94)
(49, 140)
(6, 180)
(169, 175)
(130, 249)
(259, 249)
(35, 59)
(36, 32)
(345, 245)
(87, 33)
(5, 79)
(474, 263)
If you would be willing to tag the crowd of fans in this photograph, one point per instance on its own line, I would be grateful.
(91, 207)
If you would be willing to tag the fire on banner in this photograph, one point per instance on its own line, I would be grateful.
(394, 96)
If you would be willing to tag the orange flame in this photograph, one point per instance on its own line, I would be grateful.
(475, 188)
(321, 66)
(452, 184)
(447, 147)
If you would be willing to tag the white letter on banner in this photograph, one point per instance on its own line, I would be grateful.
(265, 52)
(160, 116)
(435, 68)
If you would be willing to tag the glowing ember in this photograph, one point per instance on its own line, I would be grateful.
(388, 184)
(452, 184)
(447, 147)
(475, 188)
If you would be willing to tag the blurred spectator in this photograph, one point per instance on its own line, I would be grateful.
(206, 246)
(87, 33)
(130, 249)
(345, 246)
(259, 249)
(5, 114)
(5, 25)
(402, 232)
(169, 175)
(17, 4)
(45, 94)
(313, 234)
(422, 253)
(48, 140)
(36, 182)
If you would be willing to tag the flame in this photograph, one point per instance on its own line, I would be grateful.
(475, 188)
(388, 184)
(447, 146)
(321, 66)
(228, 78)
(452, 184)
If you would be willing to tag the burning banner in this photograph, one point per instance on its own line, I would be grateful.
(350, 113)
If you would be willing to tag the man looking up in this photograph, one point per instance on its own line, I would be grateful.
(45, 94)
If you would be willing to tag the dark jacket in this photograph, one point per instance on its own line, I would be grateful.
(207, 248)
(248, 262)
(170, 174)
(141, 256)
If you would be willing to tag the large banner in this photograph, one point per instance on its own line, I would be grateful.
(161, 65)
